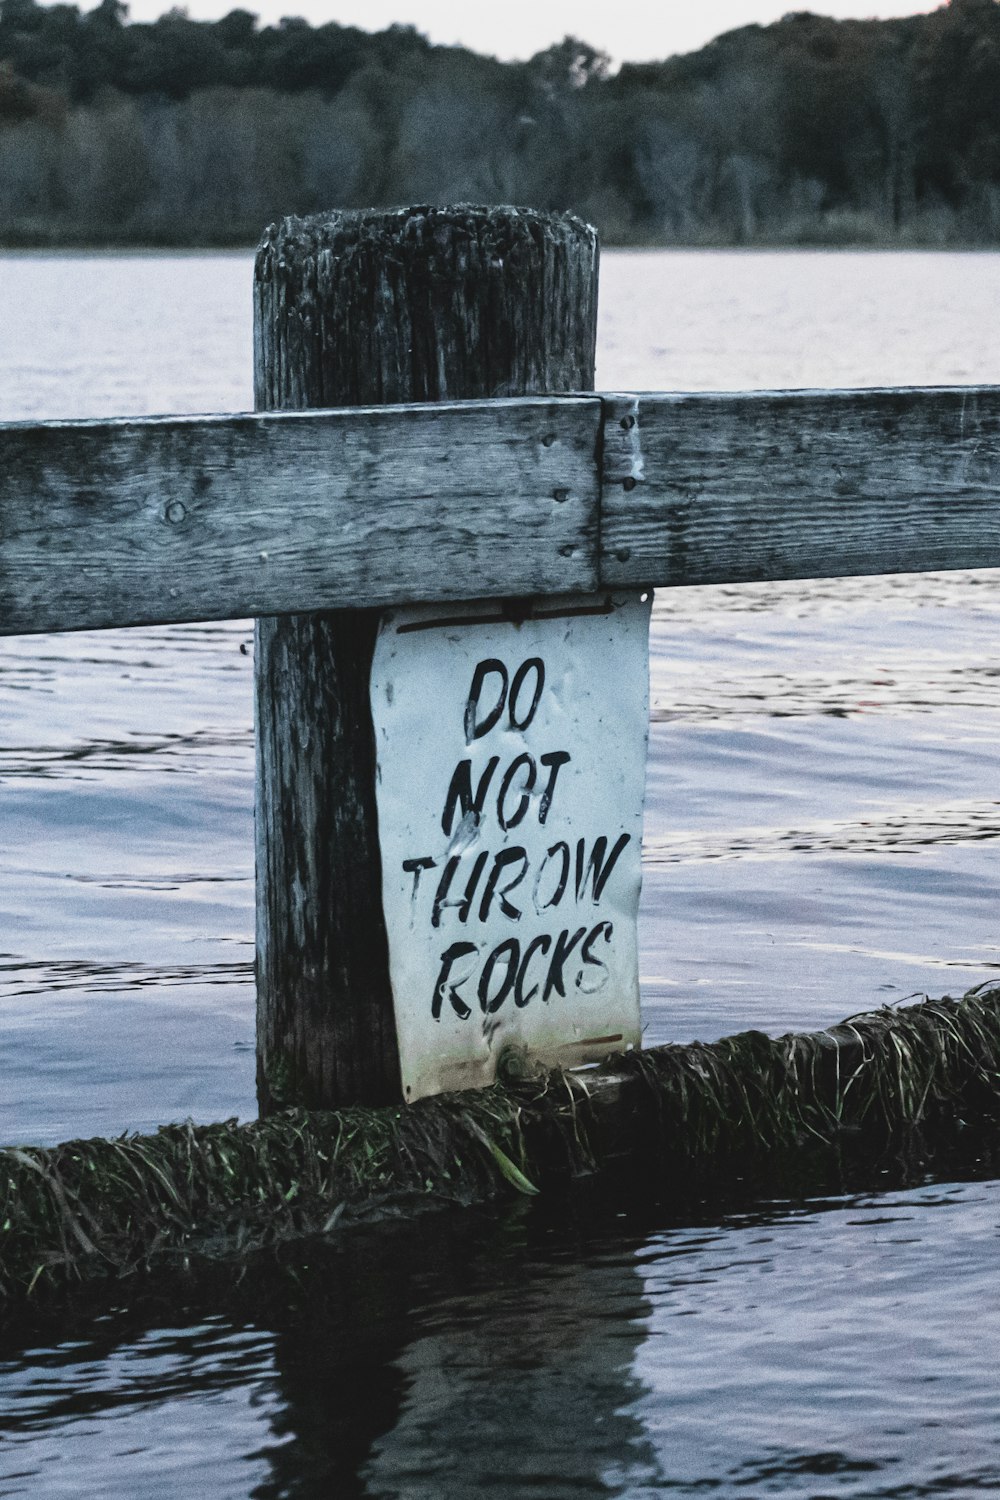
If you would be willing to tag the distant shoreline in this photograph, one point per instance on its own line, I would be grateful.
(53, 245)
(810, 133)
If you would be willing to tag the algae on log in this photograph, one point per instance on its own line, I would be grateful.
(915, 1077)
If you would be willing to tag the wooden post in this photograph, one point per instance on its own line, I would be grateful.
(421, 304)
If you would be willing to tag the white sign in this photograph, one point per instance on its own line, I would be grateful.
(511, 766)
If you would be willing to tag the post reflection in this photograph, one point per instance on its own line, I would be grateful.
(447, 1361)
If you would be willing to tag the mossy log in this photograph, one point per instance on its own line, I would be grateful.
(704, 1111)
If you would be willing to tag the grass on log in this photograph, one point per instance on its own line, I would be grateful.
(114, 1207)
(928, 1068)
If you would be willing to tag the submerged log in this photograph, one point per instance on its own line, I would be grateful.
(776, 1111)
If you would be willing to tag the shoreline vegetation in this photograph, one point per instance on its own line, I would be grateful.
(840, 233)
(809, 133)
(877, 1100)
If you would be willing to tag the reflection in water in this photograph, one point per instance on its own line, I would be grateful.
(479, 1353)
(474, 1355)
(522, 1383)
(340, 1323)
(598, 1346)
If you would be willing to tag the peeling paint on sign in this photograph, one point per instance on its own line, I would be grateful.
(511, 766)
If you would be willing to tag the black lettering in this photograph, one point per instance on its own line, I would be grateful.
(444, 886)
(503, 860)
(510, 949)
(560, 886)
(526, 763)
(595, 983)
(555, 760)
(560, 953)
(463, 902)
(537, 945)
(533, 664)
(448, 960)
(475, 727)
(596, 869)
(415, 867)
(460, 793)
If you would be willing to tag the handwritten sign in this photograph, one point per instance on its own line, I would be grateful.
(511, 760)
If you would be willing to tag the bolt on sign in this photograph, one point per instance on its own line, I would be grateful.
(511, 766)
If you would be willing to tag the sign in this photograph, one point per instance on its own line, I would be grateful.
(511, 765)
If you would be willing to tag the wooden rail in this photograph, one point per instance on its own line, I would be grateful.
(164, 520)
(801, 484)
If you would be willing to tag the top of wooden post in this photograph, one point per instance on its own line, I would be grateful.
(423, 304)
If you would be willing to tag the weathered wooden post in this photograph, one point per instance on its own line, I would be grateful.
(420, 304)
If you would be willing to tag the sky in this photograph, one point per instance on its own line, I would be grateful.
(628, 30)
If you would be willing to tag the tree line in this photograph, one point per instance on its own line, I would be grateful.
(806, 131)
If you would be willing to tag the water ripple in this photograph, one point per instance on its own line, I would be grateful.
(903, 830)
(21, 978)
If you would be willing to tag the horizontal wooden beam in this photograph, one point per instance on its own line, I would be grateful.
(801, 484)
(166, 520)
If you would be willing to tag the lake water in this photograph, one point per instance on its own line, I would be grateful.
(822, 809)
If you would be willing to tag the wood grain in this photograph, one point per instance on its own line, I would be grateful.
(141, 522)
(392, 306)
(808, 484)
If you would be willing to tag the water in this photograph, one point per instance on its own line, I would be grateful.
(844, 1348)
(822, 811)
